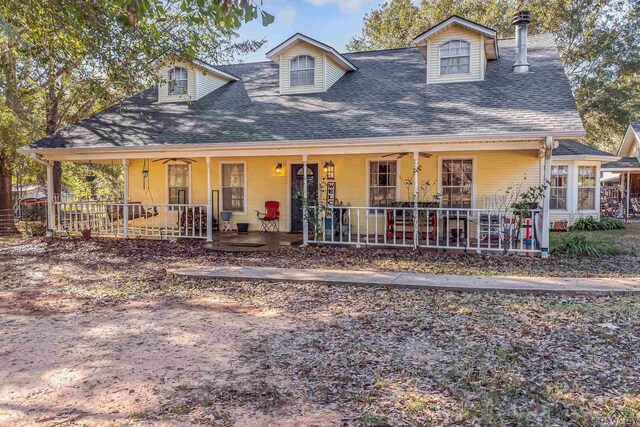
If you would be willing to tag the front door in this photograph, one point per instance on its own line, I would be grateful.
(297, 186)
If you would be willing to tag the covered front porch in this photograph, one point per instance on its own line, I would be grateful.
(621, 190)
(434, 196)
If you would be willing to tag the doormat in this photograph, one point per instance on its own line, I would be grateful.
(246, 245)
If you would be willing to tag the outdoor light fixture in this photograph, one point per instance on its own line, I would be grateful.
(329, 170)
(278, 168)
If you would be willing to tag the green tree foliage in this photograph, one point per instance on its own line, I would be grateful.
(62, 60)
(599, 41)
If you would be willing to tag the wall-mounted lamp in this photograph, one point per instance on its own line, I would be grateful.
(278, 168)
(329, 170)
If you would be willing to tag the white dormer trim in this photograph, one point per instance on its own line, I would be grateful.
(627, 143)
(276, 51)
(456, 20)
(215, 70)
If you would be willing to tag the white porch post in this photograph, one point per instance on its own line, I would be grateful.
(416, 220)
(125, 196)
(305, 195)
(627, 191)
(209, 207)
(548, 152)
(50, 200)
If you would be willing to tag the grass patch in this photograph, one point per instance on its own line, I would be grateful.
(603, 242)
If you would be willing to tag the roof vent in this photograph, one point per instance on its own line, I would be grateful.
(521, 21)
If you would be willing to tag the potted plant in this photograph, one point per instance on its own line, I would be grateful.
(86, 233)
(243, 227)
(226, 215)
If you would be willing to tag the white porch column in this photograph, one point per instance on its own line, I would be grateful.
(125, 196)
(209, 207)
(627, 192)
(548, 152)
(416, 219)
(305, 195)
(50, 200)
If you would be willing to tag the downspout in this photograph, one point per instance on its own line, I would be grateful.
(549, 145)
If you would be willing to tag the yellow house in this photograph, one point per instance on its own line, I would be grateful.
(428, 146)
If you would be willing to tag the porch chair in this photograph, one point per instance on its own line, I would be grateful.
(270, 218)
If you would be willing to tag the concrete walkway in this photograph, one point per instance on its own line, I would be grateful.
(418, 280)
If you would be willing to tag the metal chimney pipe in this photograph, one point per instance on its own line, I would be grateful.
(521, 21)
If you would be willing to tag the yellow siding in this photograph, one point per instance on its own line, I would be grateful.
(163, 95)
(301, 48)
(495, 171)
(454, 32)
(200, 82)
(334, 72)
(207, 83)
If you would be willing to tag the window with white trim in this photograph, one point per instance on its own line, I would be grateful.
(455, 57)
(178, 81)
(178, 184)
(233, 184)
(382, 182)
(302, 70)
(558, 187)
(587, 188)
(457, 183)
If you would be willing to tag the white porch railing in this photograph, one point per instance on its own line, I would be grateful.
(479, 230)
(144, 220)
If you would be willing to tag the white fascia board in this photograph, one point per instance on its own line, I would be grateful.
(456, 20)
(301, 37)
(628, 135)
(322, 144)
(204, 66)
(214, 70)
(492, 34)
(586, 157)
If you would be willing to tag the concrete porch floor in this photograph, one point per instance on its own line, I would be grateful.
(252, 241)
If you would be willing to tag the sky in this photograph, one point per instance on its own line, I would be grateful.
(333, 22)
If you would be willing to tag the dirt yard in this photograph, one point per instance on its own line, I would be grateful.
(96, 333)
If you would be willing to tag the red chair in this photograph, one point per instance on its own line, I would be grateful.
(270, 219)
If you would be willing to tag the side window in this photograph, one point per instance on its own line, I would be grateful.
(455, 57)
(178, 81)
(382, 182)
(586, 188)
(558, 187)
(302, 70)
(457, 183)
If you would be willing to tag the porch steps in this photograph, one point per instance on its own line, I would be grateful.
(536, 285)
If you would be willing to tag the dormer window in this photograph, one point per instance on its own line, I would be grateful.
(455, 57)
(178, 80)
(302, 70)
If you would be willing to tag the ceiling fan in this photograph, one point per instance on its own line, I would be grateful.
(401, 155)
(176, 159)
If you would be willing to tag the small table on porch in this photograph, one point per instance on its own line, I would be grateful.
(457, 218)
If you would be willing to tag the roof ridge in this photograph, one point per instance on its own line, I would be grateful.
(379, 50)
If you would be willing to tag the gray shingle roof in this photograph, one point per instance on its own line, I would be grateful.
(571, 147)
(623, 163)
(386, 97)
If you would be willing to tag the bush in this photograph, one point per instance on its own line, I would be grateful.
(592, 224)
(578, 244)
(34, 229)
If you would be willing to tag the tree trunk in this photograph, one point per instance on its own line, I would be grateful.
(53, 118)
(7, 223)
